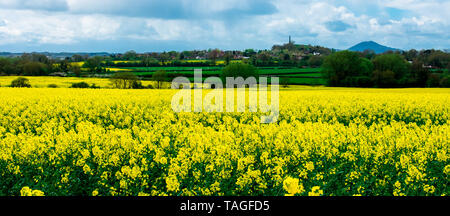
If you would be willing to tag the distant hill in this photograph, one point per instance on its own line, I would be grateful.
(370, 45)
(60, 55)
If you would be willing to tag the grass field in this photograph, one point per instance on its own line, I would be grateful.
(295, 76)
(327, 141)
(66, 82)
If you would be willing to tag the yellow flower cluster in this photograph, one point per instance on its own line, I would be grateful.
(291, 185)
(315, 191)
(26, 191)
(327, 141)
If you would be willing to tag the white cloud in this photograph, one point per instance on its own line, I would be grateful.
(229, 24)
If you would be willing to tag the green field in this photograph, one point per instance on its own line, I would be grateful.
(295, 76)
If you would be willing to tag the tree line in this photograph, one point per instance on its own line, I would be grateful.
(388, 70)
(425, 68)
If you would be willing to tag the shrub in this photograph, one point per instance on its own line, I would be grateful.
(80, 85)
(21, 82)
(52, 86)
(239, 70)
(93, 86)
(124, 80)
(236, 70)
(137, 85)
(284, 82)
(159, 77)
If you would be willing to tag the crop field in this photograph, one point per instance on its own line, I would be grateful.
(295, 76)
(327, 141)
(61, 82)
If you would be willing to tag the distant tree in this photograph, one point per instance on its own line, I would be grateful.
(35, 57)
(315, 61)
(124, 80)
(445, 82)
(6, 66)
(93, 64)
(159, 77)
(366, 67)
(164, 57)
(64, 66)
(77, 58)
(148, 61)
(384, 78)
(419, 74)
(228, 58)
(181, 56)
(239, 70)
(21, 82)
(433, 80)
(341, 68)
(34, 69)
(393, 63)
(213, 55)
(286, 57)
(173, 54)
(254, 60)
(369, 54)
(438, 59)
(52, 86)
(411, 54)
(249, 53)
(75, 69)
(265, 57)
(130, 55)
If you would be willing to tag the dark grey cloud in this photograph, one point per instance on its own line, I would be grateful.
(337, 26)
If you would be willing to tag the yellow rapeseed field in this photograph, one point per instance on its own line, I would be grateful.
(328, 141)
(61, 82)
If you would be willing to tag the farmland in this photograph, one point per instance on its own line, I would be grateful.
(328, 141)
(295, 76)
(61, 82)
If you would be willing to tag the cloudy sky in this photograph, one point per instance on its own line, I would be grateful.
(164, 25)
